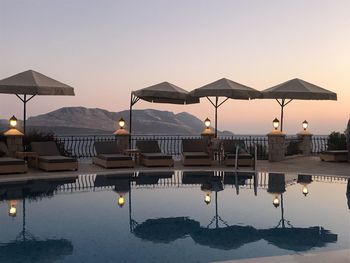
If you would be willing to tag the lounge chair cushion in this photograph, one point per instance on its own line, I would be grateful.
(195, 155)
(109, 147)
(194, 145)
(45, 148)
(156, 156)
(114, 157)
(148, 146)
(56, 159)
(240, 156)
(11, 161)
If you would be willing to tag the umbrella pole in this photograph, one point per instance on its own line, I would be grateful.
(216, 116)
(133, 100)
(282, 108)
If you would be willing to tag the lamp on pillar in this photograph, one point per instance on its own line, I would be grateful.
(276, 124)
(13, 122)
(207, 123)
(305, 124)
(14, 138)
(305, 138)
(122, 135)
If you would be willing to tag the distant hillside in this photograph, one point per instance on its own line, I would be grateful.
(80, 120)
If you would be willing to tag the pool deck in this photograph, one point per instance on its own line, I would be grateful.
(336, 256)
(307, 165)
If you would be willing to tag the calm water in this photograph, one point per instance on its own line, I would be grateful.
(165, 218)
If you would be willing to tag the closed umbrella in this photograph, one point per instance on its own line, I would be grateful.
(26, 85)
(163, 92)
(296, 89)
(225, 88)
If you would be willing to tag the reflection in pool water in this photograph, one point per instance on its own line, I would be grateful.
(173, 217)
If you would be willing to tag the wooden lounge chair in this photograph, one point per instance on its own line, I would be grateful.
(152, 156)
(233, 148)
(10, 165)
(50, 159)
(194, 152)
(109, 156)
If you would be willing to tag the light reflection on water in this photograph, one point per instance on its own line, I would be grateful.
(164, 217)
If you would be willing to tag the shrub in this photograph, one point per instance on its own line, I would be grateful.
(336, 141)
(293, 148)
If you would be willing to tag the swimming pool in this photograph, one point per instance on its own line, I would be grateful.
(190, 216)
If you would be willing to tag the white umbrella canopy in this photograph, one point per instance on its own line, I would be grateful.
(296, 89)
(163, 92)
(33, 83)
(225, 88)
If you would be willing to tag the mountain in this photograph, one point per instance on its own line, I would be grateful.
(80, 120)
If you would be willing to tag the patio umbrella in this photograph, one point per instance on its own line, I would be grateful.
(164, 92)
(30, 83)
(224, 88)
(296, 89)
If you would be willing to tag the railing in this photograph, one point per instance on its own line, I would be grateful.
(82, 146)
(85, 183)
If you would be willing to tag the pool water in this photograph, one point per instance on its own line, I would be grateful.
(173, 217)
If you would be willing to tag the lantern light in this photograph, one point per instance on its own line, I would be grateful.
(12, 210)
(207, 123)
(13, 122)
(207, 199)
(276, 123)
(305, 190)
(305, 124)
(121, 200)
(276, 201)
(121, 123)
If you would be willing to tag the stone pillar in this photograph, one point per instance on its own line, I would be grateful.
(305, 144)
(276, 141)
(14, 140)
(123, 137)
(207, 135)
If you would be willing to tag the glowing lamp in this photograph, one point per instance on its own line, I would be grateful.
(121, 200)
(12, 210)
(121, 123)
(276, 123)
(276, 201)
(305, 190)
(207, 199)
(13, 122)
(207, 123)
(305, 124)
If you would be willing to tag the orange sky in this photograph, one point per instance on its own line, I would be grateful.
(107, 50)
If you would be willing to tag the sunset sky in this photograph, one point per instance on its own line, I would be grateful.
(106, 49)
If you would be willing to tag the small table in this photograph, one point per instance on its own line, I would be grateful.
(29, 156)
(134, 153)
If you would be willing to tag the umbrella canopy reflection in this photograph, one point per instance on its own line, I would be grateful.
(297, 238)
(165, 230)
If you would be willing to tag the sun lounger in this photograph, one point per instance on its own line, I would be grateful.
(233, 148)
(10, 165)
(109, 156)
(152, 156)
(194, 152)
(50, 159)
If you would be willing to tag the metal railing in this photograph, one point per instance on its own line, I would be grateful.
(82, 146)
